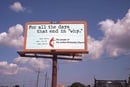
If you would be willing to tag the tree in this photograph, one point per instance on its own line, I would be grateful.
(16, 86)
(77, 84)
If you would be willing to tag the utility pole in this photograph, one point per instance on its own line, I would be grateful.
(38, 72)
(46, 80)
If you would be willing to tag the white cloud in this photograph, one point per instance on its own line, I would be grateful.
(14, 36)
(22, 65)
(10, 69)
(116, 40)
(117, 36)
(95, 48)
(21, 60)
(33, 63)
(17, 7)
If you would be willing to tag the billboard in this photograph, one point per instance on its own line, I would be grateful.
(64, 36)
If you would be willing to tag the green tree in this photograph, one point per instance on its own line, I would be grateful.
(16, 86)
(77, 84)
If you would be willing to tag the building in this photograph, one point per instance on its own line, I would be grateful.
(110, 83)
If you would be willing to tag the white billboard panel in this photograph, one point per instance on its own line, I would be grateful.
(65, 36)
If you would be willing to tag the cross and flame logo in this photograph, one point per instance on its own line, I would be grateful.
(51, 42)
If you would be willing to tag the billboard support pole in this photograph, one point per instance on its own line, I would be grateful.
(54, 71)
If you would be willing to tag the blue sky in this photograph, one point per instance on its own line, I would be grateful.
(108, 40)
